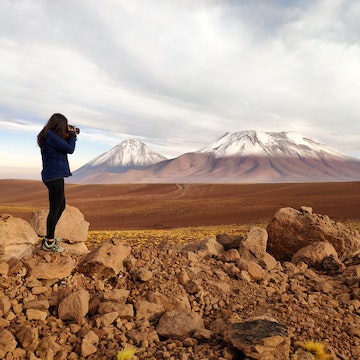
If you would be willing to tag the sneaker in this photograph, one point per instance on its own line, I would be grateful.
(54, 246)
(58, 240)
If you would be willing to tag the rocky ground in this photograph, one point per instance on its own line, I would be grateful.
(223, 298)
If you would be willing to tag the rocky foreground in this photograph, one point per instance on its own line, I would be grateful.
(258, 296)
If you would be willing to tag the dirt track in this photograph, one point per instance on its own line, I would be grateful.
(180, 205)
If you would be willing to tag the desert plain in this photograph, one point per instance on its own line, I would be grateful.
(157, 206)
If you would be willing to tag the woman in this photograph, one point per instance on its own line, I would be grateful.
(56, 140)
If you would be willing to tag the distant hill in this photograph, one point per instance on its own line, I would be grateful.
(246, 156)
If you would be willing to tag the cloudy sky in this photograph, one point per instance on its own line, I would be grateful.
(176, 74)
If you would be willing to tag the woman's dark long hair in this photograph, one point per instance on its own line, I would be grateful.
(57, 123)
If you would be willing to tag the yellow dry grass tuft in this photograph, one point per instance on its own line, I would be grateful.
(127, 353)
(317, 349)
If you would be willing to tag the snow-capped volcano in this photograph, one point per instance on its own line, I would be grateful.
(129, 154)
(278, 144)
(246, 156)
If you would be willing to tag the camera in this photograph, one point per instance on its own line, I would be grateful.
(74, 129)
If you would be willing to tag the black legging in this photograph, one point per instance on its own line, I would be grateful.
(57, 205)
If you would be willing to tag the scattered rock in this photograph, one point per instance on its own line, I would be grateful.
(49, 265)
(75, 306)
(48, 348)
(107, 319)
(306, 210)
(7, 341)
(88, 344)
(229, 242)
(254, 270)
(315, 254)
(106, 261)
(148, 310)
(260, 339)
(34, 314)
(28, 338)
(118, 295)
(79, 248)
(4, 267)
(231, 255)
(301, 354)
(205, 248)
(268, 262)
(5, 305)
(180, 303)
(142, 274)
(253, 247)
(179, 324)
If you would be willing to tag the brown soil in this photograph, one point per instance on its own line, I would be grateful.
(137, 206)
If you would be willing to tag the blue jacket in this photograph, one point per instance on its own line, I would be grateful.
(54, 156)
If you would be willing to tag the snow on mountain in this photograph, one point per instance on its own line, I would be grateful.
(129, 153)
(278, 144)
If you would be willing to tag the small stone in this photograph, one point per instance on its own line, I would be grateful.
(143, 275)
(203, 334)
(107, 319)
(255, 271)
(179, 325)
(118, 295)
(75, 306)
(7, 341)
(306, 210)
(4, 267)
(88, 344)
(230, 255)
(33, 314)
(5, 305)
(29, 338)
(37, 290)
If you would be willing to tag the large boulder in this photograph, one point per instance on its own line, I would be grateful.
(17, 237)
(71, 226)
(290, 230)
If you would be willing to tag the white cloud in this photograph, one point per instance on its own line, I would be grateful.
(177, 74)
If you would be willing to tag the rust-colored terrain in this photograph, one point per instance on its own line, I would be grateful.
(143, 206)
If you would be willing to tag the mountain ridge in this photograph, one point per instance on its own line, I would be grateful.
(250, 142)
(246, 156)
